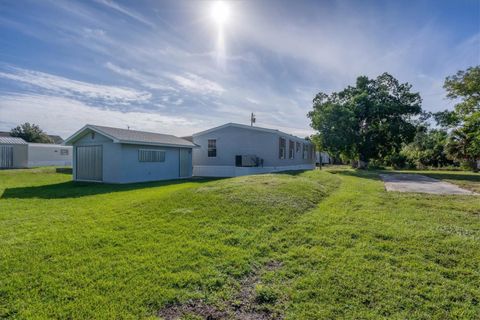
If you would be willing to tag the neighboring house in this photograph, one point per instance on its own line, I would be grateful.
(235, 149)
(56, 139)
(16, 153)
(13, 153)
(113, 155)
(322, 158)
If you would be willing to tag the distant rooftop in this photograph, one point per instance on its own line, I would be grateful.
(11, 140)
(56, 139)
(133, 136)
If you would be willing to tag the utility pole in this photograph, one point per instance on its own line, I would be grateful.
(252, 119)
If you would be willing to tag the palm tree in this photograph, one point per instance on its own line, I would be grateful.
(458, 148)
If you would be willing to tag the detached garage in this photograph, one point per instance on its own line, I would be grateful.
(16, 153)
(13, 153)
(114, 155)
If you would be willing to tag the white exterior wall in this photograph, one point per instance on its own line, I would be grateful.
(40, 154)
(20, 155)
(232, 141)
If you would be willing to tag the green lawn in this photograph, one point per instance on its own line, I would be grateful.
(311, 245)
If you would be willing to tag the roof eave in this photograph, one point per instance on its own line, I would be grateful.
(157, 144)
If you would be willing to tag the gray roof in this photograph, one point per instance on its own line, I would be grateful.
(55, 138)
(134, 137)
(247, 127)
(11, 140)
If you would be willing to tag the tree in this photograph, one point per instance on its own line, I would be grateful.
(464, 120)
(367, 122)
(464, 143)
(30, 133)
(427, 149)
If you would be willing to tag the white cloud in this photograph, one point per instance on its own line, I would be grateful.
(60, 115)
(251, 100)
(145, 80)
(94, 33)
(196, 84)
(128, 12)
(73, 88)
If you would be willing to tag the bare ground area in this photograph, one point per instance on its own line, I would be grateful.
(247, 305)
(422, 184)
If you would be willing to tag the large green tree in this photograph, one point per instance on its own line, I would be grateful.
(366, 122)
(30, 133)
(464, 121)
(428, 149)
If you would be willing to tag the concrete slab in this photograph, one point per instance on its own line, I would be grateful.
(405, 182)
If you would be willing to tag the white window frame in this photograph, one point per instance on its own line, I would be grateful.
(209, 148)
(151, 157)
(282, 148)
(291, 149)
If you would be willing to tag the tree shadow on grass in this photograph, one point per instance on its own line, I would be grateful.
(72, 189)
(375, 174)
(474, 177)
(362, 174)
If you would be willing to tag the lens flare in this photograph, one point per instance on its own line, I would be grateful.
(220, 12)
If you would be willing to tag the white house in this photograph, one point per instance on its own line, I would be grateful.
(16, 153)
(236, 149)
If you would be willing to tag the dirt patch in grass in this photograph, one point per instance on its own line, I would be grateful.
(252, 302)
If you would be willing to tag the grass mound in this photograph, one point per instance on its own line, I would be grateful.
(71, 250)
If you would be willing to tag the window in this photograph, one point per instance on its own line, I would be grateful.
(298, 146)
(145, 155)
(64, 152)
(212, 148)
(291, 149)
(305, 151)
(282, 145)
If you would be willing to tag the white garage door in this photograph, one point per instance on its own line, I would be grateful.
(89, 166)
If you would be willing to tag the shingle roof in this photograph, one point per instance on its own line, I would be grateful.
(135, 137)
(12, 140)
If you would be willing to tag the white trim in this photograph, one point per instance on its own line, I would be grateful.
(156, 144)
(232, 171)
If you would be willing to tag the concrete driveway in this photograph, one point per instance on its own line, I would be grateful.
(404, 182)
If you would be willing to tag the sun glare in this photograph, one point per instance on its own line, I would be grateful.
(220, 12)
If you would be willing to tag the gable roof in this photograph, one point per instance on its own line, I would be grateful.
(56, 139)
(11, 140)
(244, 126)
(132, 137)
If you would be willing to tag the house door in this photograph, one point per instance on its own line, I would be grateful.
(89, 163)
(185, 155)
(6, 156)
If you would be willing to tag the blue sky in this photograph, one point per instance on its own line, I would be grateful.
(159, 65)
